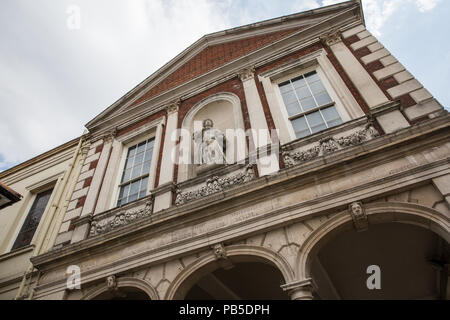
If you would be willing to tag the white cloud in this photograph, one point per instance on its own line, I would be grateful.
(378, 12)
(304, 5)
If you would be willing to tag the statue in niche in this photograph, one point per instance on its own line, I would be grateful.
(209, 144)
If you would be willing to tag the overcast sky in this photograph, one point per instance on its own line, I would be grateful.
(54, 79)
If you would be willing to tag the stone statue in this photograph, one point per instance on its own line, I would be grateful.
(209, 144)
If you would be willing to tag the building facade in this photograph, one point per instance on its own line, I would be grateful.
(30, 224)
(293, 158)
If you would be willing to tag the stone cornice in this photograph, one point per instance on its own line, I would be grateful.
(387, 147)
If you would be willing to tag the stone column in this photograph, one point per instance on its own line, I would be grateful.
(300, 290)
(163, 200)
(266, 164)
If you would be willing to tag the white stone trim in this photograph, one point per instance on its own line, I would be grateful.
(404, 88)
(363, 43)
(353, 31)
(377, 55)
(388, 71)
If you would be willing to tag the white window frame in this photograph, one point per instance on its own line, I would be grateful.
(346, 105)
(151, 130)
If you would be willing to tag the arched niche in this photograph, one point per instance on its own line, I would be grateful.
(224, 109)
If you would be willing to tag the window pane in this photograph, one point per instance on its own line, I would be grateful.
(316, 122)
(136, 172)
(126, 175)
(308, 104)
(131, 151)
(146, 167)
(303, 92)
(132, 197)
(312, 77)
(129, 163)
(317, 87)
(33, 218)
(134, 188)
(300, 127)
(289, 97)
(293, 109)
(139, 159)
(141, 147)
(298, 82)
(330, 114)
(285, 86)
(144, 183)
(323, 98)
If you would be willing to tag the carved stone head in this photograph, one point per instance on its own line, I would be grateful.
(208, 124)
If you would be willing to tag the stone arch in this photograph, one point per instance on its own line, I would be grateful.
(125, 282)
(384, 212)
(255, 253)
(183, 171)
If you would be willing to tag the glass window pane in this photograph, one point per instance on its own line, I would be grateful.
(334, 123)
(32, 220)
(134, 188)
(131, 151)
(285, 86)
(330, 114)
(139, 159)
(142, 194)
(300, 127)
(141, 147)
(148, 154)
(323, 98)
(308, 104)
(136, 172)
(303, 92)
(317, 87)
(129, 163)
(312, 77)
(315, 119)
(289, 97)
(126, 175)
(293, 109)
(146, 167)
(298, 82)
(132, 197)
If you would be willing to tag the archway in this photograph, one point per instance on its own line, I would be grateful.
(127, 288)
(245, 273)
(123, 293)
(407, 242)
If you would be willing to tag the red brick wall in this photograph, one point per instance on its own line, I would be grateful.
(213, 57)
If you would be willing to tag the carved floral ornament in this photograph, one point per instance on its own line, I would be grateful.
(214, 185)
(120, 219)
(329, 145)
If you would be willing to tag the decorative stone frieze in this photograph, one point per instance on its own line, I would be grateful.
(120, 219)
(213, 185)
(359, 216)
(329, 145)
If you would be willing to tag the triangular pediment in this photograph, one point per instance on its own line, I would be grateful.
(215, 50)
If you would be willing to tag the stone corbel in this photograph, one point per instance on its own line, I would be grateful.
(109, 135)
(219, 251)
(359, 216)
(300, 290)
(247, 74)
(173, 107)
(331, 38)
(111, 283)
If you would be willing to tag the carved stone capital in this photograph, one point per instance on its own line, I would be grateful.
(331, 38)
(247, 74)
(174, 106)
(359, 216)
(109, 135)
(85, 148)
(220, 251)
(300, 290)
